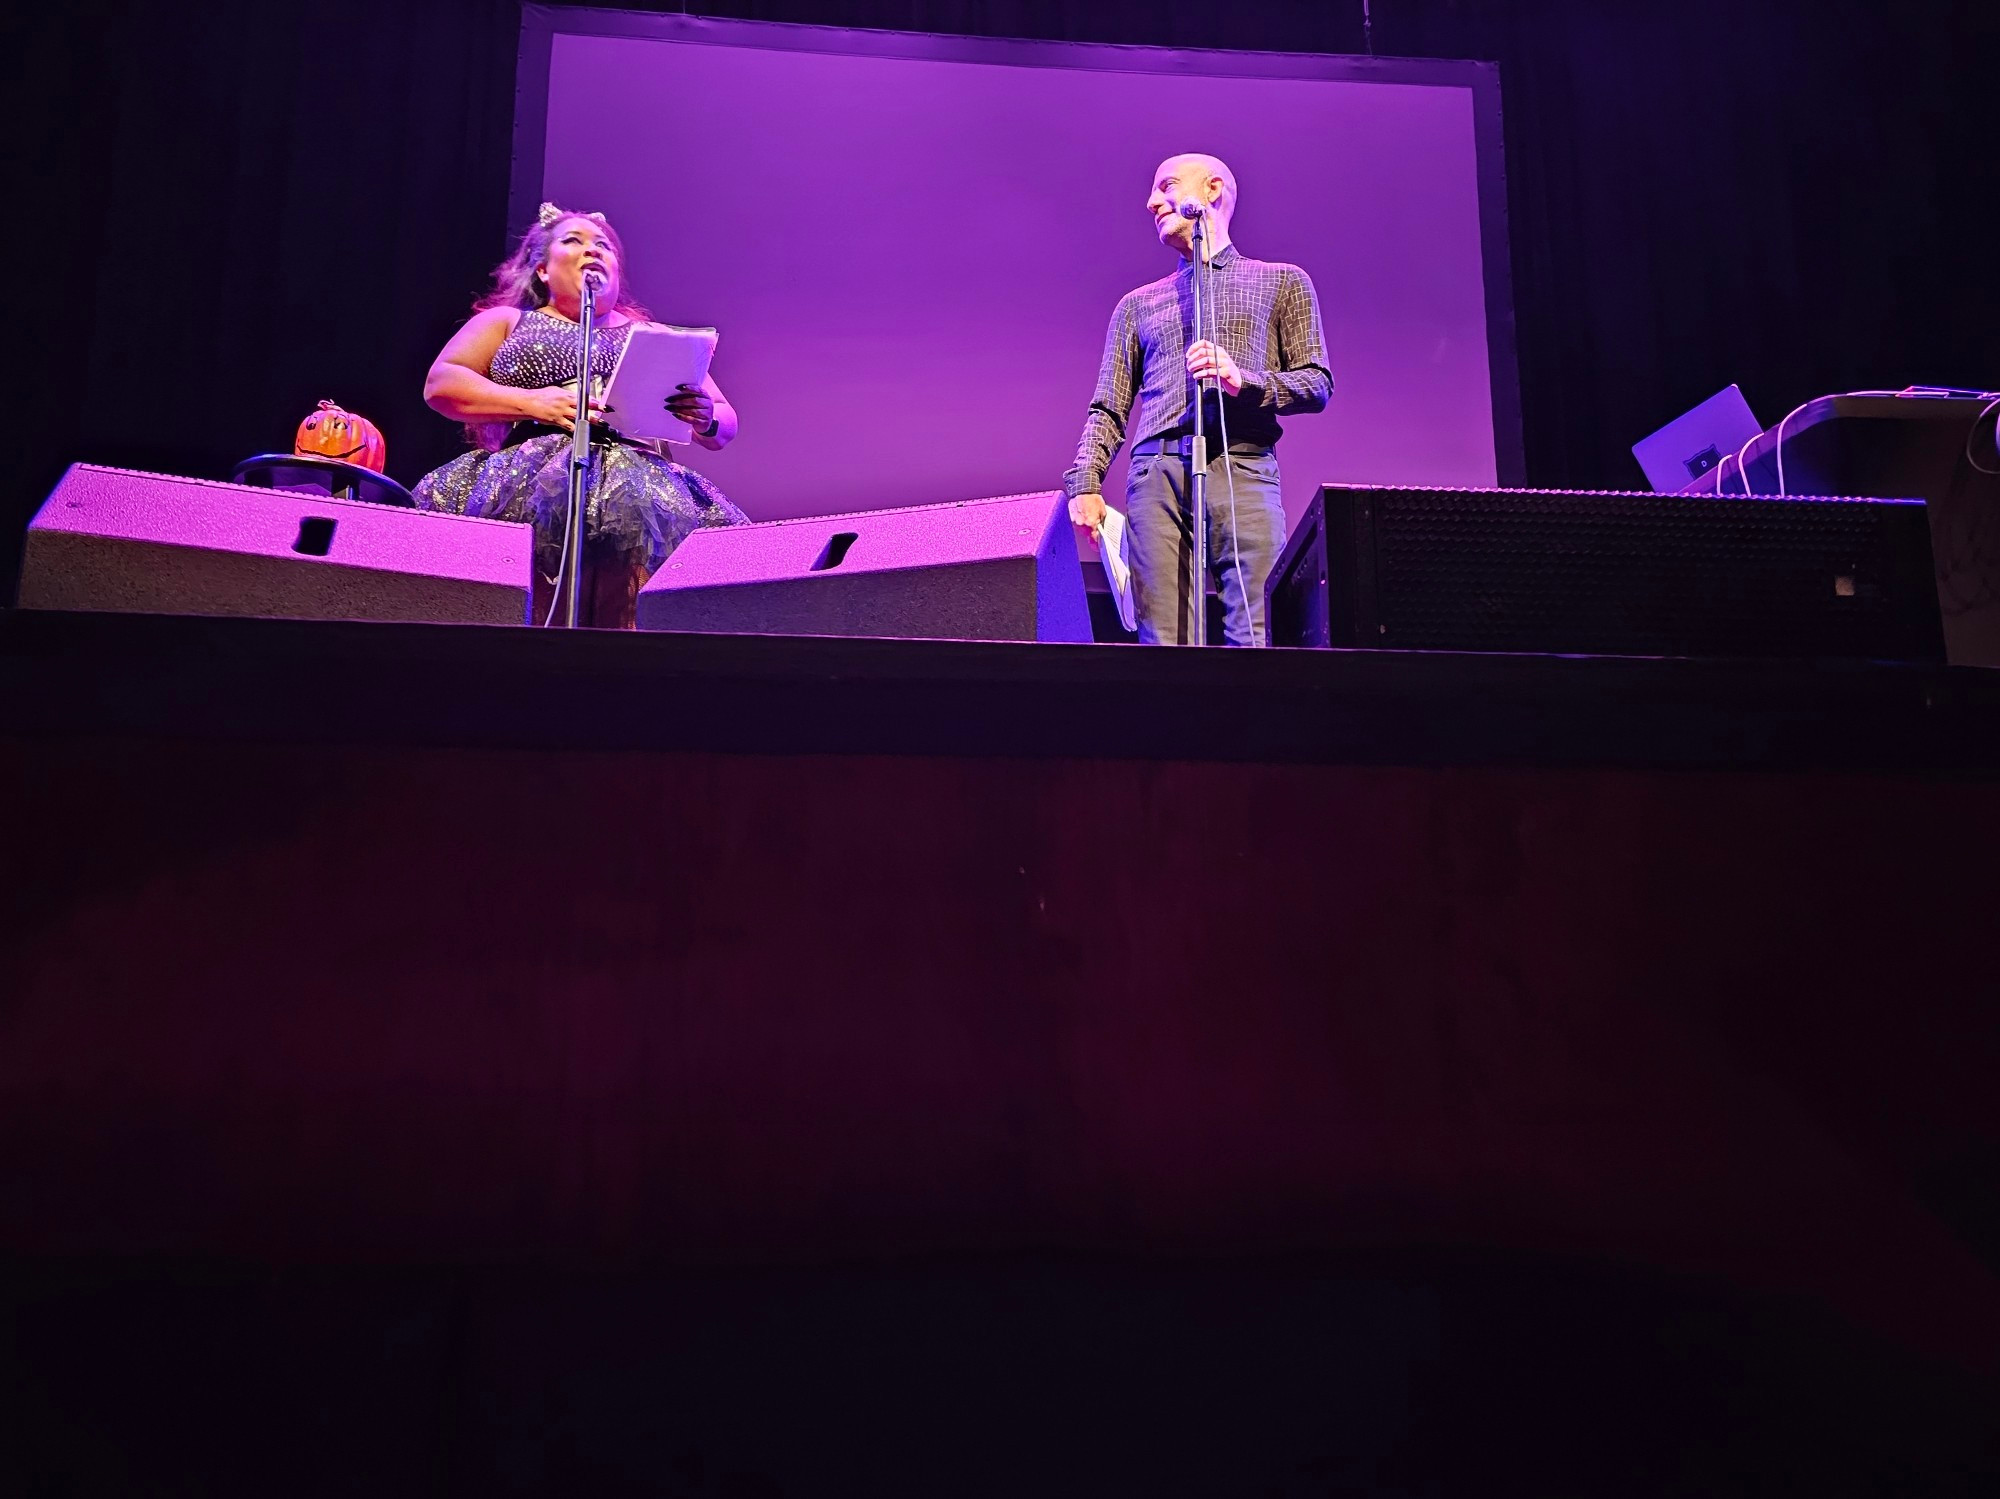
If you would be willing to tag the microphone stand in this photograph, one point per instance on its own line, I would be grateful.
(579, 460)
(1198, 461)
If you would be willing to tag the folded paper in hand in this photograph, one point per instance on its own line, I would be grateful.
(1114, 543)
(656, 362)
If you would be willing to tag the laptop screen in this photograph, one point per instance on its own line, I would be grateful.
(1692, 445)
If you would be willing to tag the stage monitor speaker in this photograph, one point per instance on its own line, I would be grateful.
(116, 540)
(1931, 445)
(999, 569)
(1580, 572)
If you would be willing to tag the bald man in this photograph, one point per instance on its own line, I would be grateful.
(1268, 359)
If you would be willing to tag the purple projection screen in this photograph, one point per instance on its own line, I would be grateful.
(912, 244)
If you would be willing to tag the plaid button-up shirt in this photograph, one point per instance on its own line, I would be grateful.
(1266, 318)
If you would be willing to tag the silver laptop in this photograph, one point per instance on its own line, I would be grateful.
(1692, 445)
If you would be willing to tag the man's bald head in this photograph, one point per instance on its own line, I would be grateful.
(1204, 176)
(1192, 177)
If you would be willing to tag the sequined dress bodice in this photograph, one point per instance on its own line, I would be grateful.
(541, 350)
(640, 503)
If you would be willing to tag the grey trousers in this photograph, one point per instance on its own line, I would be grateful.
(1243, 544)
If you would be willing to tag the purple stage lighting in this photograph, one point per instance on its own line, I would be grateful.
(912, 245)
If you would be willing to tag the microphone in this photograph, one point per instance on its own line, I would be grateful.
(593, 277)
(1193, 209)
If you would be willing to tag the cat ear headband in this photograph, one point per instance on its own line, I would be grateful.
(550, 213)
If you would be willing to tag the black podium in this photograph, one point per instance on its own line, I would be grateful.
(1939, 449)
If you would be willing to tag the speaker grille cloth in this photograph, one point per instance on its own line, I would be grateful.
(1525, 570)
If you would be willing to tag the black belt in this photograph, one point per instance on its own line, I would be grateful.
(1181, 445)
(600, 435)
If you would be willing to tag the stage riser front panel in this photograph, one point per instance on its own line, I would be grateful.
(270, 1001)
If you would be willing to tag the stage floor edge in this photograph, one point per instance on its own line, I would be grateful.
(318, 682)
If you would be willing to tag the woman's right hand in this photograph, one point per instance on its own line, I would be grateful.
(555, 406)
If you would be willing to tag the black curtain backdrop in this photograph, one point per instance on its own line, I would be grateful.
(236, 210)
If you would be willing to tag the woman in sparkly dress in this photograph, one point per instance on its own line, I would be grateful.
(510, 375)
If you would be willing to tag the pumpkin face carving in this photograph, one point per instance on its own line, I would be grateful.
(331, 432)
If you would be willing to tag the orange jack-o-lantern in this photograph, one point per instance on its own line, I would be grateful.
(333, 433)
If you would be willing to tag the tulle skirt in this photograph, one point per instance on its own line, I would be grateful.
(640, 506)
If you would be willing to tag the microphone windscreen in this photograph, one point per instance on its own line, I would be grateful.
(1192, 209)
